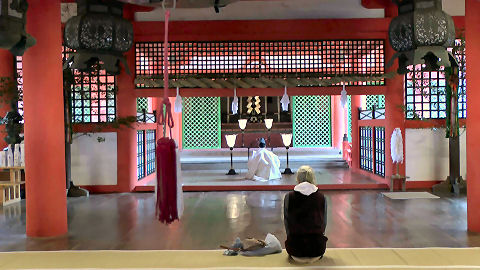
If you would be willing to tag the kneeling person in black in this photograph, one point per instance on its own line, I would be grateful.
(305, 218)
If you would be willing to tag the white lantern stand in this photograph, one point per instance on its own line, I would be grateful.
(231, 143)
(287, 140)
(268, 125)
(242, 123)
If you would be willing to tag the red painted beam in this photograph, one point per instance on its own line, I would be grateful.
(326, 29)
(210, 92)
(375, 4)
(371, 123)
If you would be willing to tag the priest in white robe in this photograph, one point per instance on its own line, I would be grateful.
(263, 165)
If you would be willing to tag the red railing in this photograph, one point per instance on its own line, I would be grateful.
(347, 153)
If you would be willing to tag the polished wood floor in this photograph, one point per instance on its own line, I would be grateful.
(355, 219)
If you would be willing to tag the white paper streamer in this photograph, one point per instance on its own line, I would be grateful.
(235, 102)
(285, 100)
(343, 97)
(396, 146)
(178, 102)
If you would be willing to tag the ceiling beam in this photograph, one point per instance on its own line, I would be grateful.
(375, 4)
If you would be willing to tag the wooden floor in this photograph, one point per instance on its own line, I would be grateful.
(355, 219)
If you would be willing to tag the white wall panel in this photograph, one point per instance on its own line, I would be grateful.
(426, 154)
(93, 162)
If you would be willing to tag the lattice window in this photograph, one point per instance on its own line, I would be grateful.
(312, 121)
(150, 136)
(375, 100)
(425, 92)
(140, 154)
(93, 95)
(366, 149)
(269, 58)
(380, 151)
(201, 123)
(142, 104)
(19, 79)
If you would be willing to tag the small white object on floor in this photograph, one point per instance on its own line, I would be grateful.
(409, 195)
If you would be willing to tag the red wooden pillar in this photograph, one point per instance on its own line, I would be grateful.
(356, 102)
(338, 119)
(6, 70)
(127, 137)
(472, 28)
(46, 209)
(394, 101)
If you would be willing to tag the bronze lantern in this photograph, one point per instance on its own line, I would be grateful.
(98, 34)
(421, 34)
(13, 35)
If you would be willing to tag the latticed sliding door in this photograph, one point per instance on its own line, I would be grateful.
(312, 125)
(201, 123)
(375, 100)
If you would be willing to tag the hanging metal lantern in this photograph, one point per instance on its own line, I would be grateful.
(13, 35)
(421, 34)
(98, 33)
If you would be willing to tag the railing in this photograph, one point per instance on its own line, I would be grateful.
(347, 152)
(144, 117)
(374, 113)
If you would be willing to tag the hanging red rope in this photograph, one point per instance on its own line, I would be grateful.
(166, 206)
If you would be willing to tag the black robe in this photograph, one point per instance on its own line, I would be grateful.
(305, 220)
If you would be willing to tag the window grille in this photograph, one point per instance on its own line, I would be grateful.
(266, 58)
(425, 92)
(142, 104)
(140, 154)
(375, 100)
(201, 123)
(150, 136)
(380, 151)
(93, 95)
(312, 124)
(366, 149)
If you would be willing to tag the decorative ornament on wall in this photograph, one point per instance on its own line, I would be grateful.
(343, 97)
(396, 146)
(421, 34)
(99, 34)
(250, 102)
(178, 102)
(285, 101)
(13, 18)
(235, 102)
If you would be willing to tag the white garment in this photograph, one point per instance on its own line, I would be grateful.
(306, 188)
(263, 166)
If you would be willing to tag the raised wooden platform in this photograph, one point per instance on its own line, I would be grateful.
(342, 258)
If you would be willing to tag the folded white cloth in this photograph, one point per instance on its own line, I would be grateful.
(273, 246)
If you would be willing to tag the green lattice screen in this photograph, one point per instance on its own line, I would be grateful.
(201, 123)
(349, 112)
(377, 100)
(142, 103)
(312, 124)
